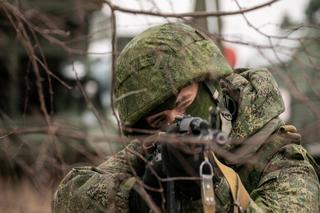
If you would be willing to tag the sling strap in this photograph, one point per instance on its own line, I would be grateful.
(207, 189)
(241, 197)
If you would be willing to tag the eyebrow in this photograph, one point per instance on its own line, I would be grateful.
(168, 104)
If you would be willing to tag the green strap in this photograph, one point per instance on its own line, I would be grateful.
(224, 114)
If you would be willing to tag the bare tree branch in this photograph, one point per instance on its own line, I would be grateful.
(192, 14)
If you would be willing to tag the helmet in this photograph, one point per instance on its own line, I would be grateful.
(157, 63)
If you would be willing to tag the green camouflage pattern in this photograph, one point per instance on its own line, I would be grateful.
(289, 184)
(160, 61)
(286, 183)
(258, 97)
(102, 189)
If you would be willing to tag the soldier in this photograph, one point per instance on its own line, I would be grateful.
(175, 70)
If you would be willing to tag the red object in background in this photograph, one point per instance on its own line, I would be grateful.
(230, 55)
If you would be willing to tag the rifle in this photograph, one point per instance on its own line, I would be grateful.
(173, 161)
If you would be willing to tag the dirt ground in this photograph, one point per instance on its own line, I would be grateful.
(25, 197)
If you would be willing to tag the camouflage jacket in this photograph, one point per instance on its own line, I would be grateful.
(280, 176)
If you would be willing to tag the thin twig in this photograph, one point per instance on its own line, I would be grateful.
(191, 14)
(114, 58)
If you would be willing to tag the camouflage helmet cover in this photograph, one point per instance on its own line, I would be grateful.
(158, 62)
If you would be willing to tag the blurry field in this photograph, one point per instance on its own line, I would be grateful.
(32, 164)
(24, 196)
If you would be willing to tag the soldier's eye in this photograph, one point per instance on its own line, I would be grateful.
(182, 102)
(158, 120)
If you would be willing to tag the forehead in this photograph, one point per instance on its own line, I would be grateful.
(167, 104)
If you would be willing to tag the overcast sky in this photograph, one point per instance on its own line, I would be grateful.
(266, 19)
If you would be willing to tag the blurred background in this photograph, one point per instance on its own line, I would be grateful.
(56, 76)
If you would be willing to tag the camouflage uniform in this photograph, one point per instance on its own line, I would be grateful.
(277, 172)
